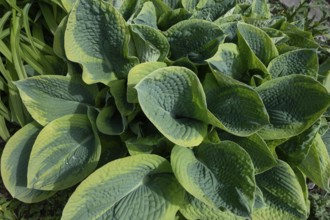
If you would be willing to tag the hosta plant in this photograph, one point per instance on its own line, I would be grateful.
(179, 110)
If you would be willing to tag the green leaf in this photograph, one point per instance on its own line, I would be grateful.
(170, 18)
(110, 121)
(237, 106)
(136, 187)
(58, 45)
(189, 4)
(218, 174)
(68, 4)
(298, 37)
(196, 39)
(14, 165)
(259, 199)
(150, 44)
(296, 148)
(274, 22)
(173, 100)
(258, 150)
(172, 3)
(126, 7)
(277, 36)
(293, 103)
(260, 9)
(229, 61)
(65, 152)
(147, 15)
(118, 91)
(212, 9)
(302, 61)
(99, 41)
(316, 165)
(282, 193)
(196, 209)
(136, 74)
(230, 30)
(145, 145)
(50, 97)
(257, 41)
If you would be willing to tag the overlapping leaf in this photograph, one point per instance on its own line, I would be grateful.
(258, 150)
(173, 100)
(228, 60)
(196, 39)
(237, 106)
(282, 193)
(220, 175)
(293, 103)
(136, 74)
(98, 41)
(302, 61)
(50, 97)
(137, 187)
(150, 44)
(316, 165)
(64, 153)
(14, 165)
(196, 209)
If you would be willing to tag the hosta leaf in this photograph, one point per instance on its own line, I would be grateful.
(170, 18)
(316, 166)
(324, 72)
(237, 106)
(296, 148)
(136, 74)
(172, 3)
(258, 41)
(136, 187)
(51, 97)
(293, 103)
(150, 44)
(65, 152)
(211, 10)
(58, 45)
(298, 37)
(110, 121)
(145, 144)
(173, 100)
(126, 7)
(118, 91)
(68, 4)
(230, 30)
(274, 22)
(257, 47)
(277, 36)
(258, 150)
(99, 41)
(189, 4)
(259, 201)
(14, 164)
(228, 61)
(260, 9)
(302, 180)
(147, 15)
(302, 61)
(196, 209)
(282, 194)
(196, 39)
(219, 174)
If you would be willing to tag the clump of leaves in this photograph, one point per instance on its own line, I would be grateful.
(198, 109)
